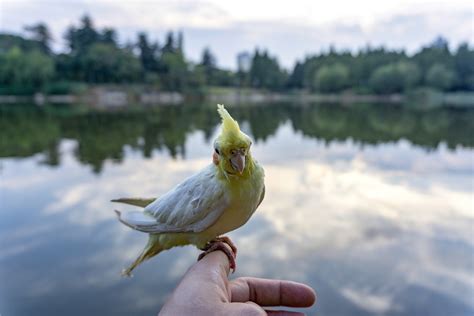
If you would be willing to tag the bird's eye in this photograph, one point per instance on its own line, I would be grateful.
(217, 151)
(233, 152)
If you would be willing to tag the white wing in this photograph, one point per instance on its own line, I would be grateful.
(192, 206)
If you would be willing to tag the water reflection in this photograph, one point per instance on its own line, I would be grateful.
(379, 229)
(103, 135)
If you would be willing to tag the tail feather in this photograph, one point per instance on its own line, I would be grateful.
(134, 201)
(152, 248)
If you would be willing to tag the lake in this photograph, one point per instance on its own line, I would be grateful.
(371, 205)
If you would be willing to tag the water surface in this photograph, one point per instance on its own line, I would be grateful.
(370, 205)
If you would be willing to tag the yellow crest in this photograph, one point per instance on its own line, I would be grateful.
(229, 125)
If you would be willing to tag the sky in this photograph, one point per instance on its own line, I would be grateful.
(290, 30)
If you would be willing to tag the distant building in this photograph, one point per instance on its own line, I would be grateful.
(243, 62)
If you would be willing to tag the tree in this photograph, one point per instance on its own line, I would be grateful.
(394, 78)
(297, 76)
(208, 63)
(25, 69)
(437, 52)
(148, 53)
(9, 41)
(128, 66)
(169, 46)
(331, 78)
(80, 39)
(108, 36)
(180, 43)
(39, 68)
(11, 67)
(265, 72)
(197, 78)
(40, 33)
(440, 77)
(224, 77)
(119, 66)
(367, 60)
(464, 66)
(175, 71)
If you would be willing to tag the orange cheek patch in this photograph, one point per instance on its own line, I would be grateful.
(215, 158)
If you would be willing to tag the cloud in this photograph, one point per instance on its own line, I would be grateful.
(378, 304)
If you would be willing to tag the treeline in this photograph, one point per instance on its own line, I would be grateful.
(93, 56)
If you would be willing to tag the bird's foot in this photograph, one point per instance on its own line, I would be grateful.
(224, 246)
(223, 239)
(227, 240)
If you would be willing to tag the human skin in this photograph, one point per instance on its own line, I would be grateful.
(206, 290)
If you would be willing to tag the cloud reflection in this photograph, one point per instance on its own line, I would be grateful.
(363, 226)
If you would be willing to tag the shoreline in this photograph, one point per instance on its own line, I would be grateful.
(117, 96)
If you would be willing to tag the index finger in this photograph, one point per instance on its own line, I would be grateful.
(267, 292)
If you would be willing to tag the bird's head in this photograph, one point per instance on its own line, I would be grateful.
(232, 146)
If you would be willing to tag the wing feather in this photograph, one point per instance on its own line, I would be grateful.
(192, 206)
(141, 202)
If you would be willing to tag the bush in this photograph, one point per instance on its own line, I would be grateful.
(332, 78)
(394, 78)
(440, 77)
(30, 70)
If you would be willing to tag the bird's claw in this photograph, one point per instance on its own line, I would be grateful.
(227, 240)
(224, 247)
(223, 239)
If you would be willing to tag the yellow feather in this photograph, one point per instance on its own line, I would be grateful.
(229, 125)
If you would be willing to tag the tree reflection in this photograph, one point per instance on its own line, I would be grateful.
(104, 135)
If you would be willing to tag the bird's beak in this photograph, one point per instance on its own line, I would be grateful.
(238, 162)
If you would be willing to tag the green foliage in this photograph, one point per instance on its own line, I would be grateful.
(296, 78)
(80, 39)
(118, 66)
(29, 69)
(28, 65)
(331, 78)
(266, 73)
(367, 60)
(9, 41)
(174, 71)
(40, 33)
(209, 66)
(148, 53)
(394, 78)
(224, 78)
(197, 78)
(169, 46)
(435, 53)
(464, 67)
(440, 77)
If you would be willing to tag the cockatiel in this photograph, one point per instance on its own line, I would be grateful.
(218, 199)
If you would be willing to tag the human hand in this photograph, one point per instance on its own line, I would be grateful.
(206, 290)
